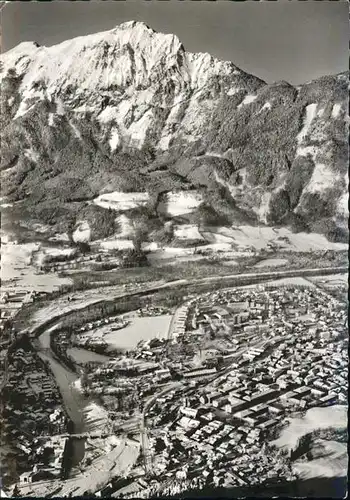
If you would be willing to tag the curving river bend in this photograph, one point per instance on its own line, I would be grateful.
(73, 400)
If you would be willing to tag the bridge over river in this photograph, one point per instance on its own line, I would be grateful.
(131, 429)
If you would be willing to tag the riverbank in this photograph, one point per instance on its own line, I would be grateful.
(84, 413)
(73, 400)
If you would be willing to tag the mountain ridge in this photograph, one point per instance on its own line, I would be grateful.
(130, 109)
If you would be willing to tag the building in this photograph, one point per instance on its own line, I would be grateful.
(199, 372)
(329, 399)
(268, 424)
(26, 477)
(189, 412)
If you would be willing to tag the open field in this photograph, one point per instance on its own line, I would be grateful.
(230, 263)
(242, 238)
(224, 243)
(86, 356)
(315, 418)
(96, 418)
(187, 231)
(116, 244)
(332, 280)
(180, 203)
(259, 237)
(298, 281)
(144, 328)
(271, 263)
(121, 201)
(82, 232)
(333, 461)
(17, 269)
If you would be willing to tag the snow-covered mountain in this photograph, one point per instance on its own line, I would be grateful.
(130, 110)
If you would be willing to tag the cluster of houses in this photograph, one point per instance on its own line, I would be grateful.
(47, 456)
(93, 261)
(11, 302)
(32, 413)
(301, 362)
(243, 360)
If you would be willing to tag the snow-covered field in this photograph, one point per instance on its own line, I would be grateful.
(230, 263)
(307, 242)
(331, 280)
(260, 237)
(162, 257)
(145, 328)
(228, 243)
(116, 244)
(43, 252)
(121, 201)
(244, 236)
(331, 458)
(218, 236)
(332, 463)
(82, 232)
(171, 255)
(336, 110)
(96, 418)
(86, 356)
(16, 265)
(180, 203)
(298, 281)
(272, 263)
(59, 237)
(167, 253)
(315, 418)
(187, 232)
(56, 252)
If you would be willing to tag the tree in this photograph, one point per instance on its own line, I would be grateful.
(84, 247)
(16, 492)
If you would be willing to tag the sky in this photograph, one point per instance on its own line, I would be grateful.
(285, 40)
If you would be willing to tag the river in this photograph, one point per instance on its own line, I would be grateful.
(74, 401)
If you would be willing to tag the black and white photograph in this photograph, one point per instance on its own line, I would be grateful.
(174, 249)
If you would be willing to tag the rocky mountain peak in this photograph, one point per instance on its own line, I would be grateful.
(126, 54)
(131, 54)
(131, 96)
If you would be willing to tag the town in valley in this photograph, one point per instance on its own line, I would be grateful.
(166, 391)
(174, 250)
